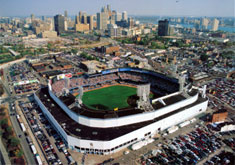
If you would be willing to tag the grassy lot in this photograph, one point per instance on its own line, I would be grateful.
(108, 98)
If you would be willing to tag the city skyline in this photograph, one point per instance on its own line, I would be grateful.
(198, 8)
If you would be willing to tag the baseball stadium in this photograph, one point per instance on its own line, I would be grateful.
(105, 112)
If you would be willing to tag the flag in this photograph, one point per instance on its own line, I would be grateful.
(115, 109)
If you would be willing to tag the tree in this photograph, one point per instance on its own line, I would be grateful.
(74, 50)
(14, 141)
(204, 57)
(3, 122)
(19, 153)
(9, 130)
(49, 46)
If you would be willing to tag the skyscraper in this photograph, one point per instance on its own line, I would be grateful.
(130, 22)
(113, 30)
(102, 19)
(197, 24)
(59, 24)
(43, 18)
(204, 23)
(124, 16)
(99, 21)
(215, 24)
(118, 17)
(65, 14)
(163, 27)
(77, 19)
(80, 16)
(32, 17)
(90, 22)
(84, 18)
(108, 8)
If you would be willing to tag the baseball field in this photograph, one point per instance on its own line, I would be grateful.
(108, 98)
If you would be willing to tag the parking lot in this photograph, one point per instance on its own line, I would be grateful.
(196, 143)
(223, 90)
(52, 146)
(21, 79)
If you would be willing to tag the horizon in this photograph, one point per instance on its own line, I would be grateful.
(177, 8)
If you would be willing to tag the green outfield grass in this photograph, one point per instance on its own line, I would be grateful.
(108, 98)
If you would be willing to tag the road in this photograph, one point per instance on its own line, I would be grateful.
(25, 146)
(11, 100)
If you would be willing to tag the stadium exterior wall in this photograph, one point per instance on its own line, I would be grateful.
(126, 120)
(51, 118)
(139, 133)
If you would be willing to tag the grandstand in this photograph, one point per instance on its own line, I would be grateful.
(108, 117)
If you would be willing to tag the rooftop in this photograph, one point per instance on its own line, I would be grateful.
(91, 133)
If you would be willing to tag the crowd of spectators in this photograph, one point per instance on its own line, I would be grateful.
(97, 81)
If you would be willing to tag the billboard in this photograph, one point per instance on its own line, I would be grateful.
(26, 82)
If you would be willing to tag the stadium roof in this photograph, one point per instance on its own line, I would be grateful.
(84, 132)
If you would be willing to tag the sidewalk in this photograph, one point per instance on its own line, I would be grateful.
(5, 159)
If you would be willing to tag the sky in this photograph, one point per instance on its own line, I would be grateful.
(219, 8)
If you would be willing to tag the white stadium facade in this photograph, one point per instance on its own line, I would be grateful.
(106, 132)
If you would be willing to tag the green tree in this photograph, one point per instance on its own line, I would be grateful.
(9, 130)
(19, 153)
(14, 141)
(3, 122)
(74, 50)
(49, 46)
(204, 57)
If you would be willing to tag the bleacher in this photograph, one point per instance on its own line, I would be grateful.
(160, 85)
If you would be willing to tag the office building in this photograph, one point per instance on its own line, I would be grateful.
(84, 18)
(197, 24)
(65, 14)
(114, 30)
(90, 21)
(215, 25)
(108, 7)
(59, 22)
(118, 17)
(49, 34)
(79, 27)
(163, 27)
(204, 23)
(32, 17)
(80, 16)
(102, 19)
(43, 18)
(77, 20)
(124, 16)
(130, 22)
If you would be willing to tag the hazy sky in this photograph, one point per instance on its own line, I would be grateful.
(134, 7)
